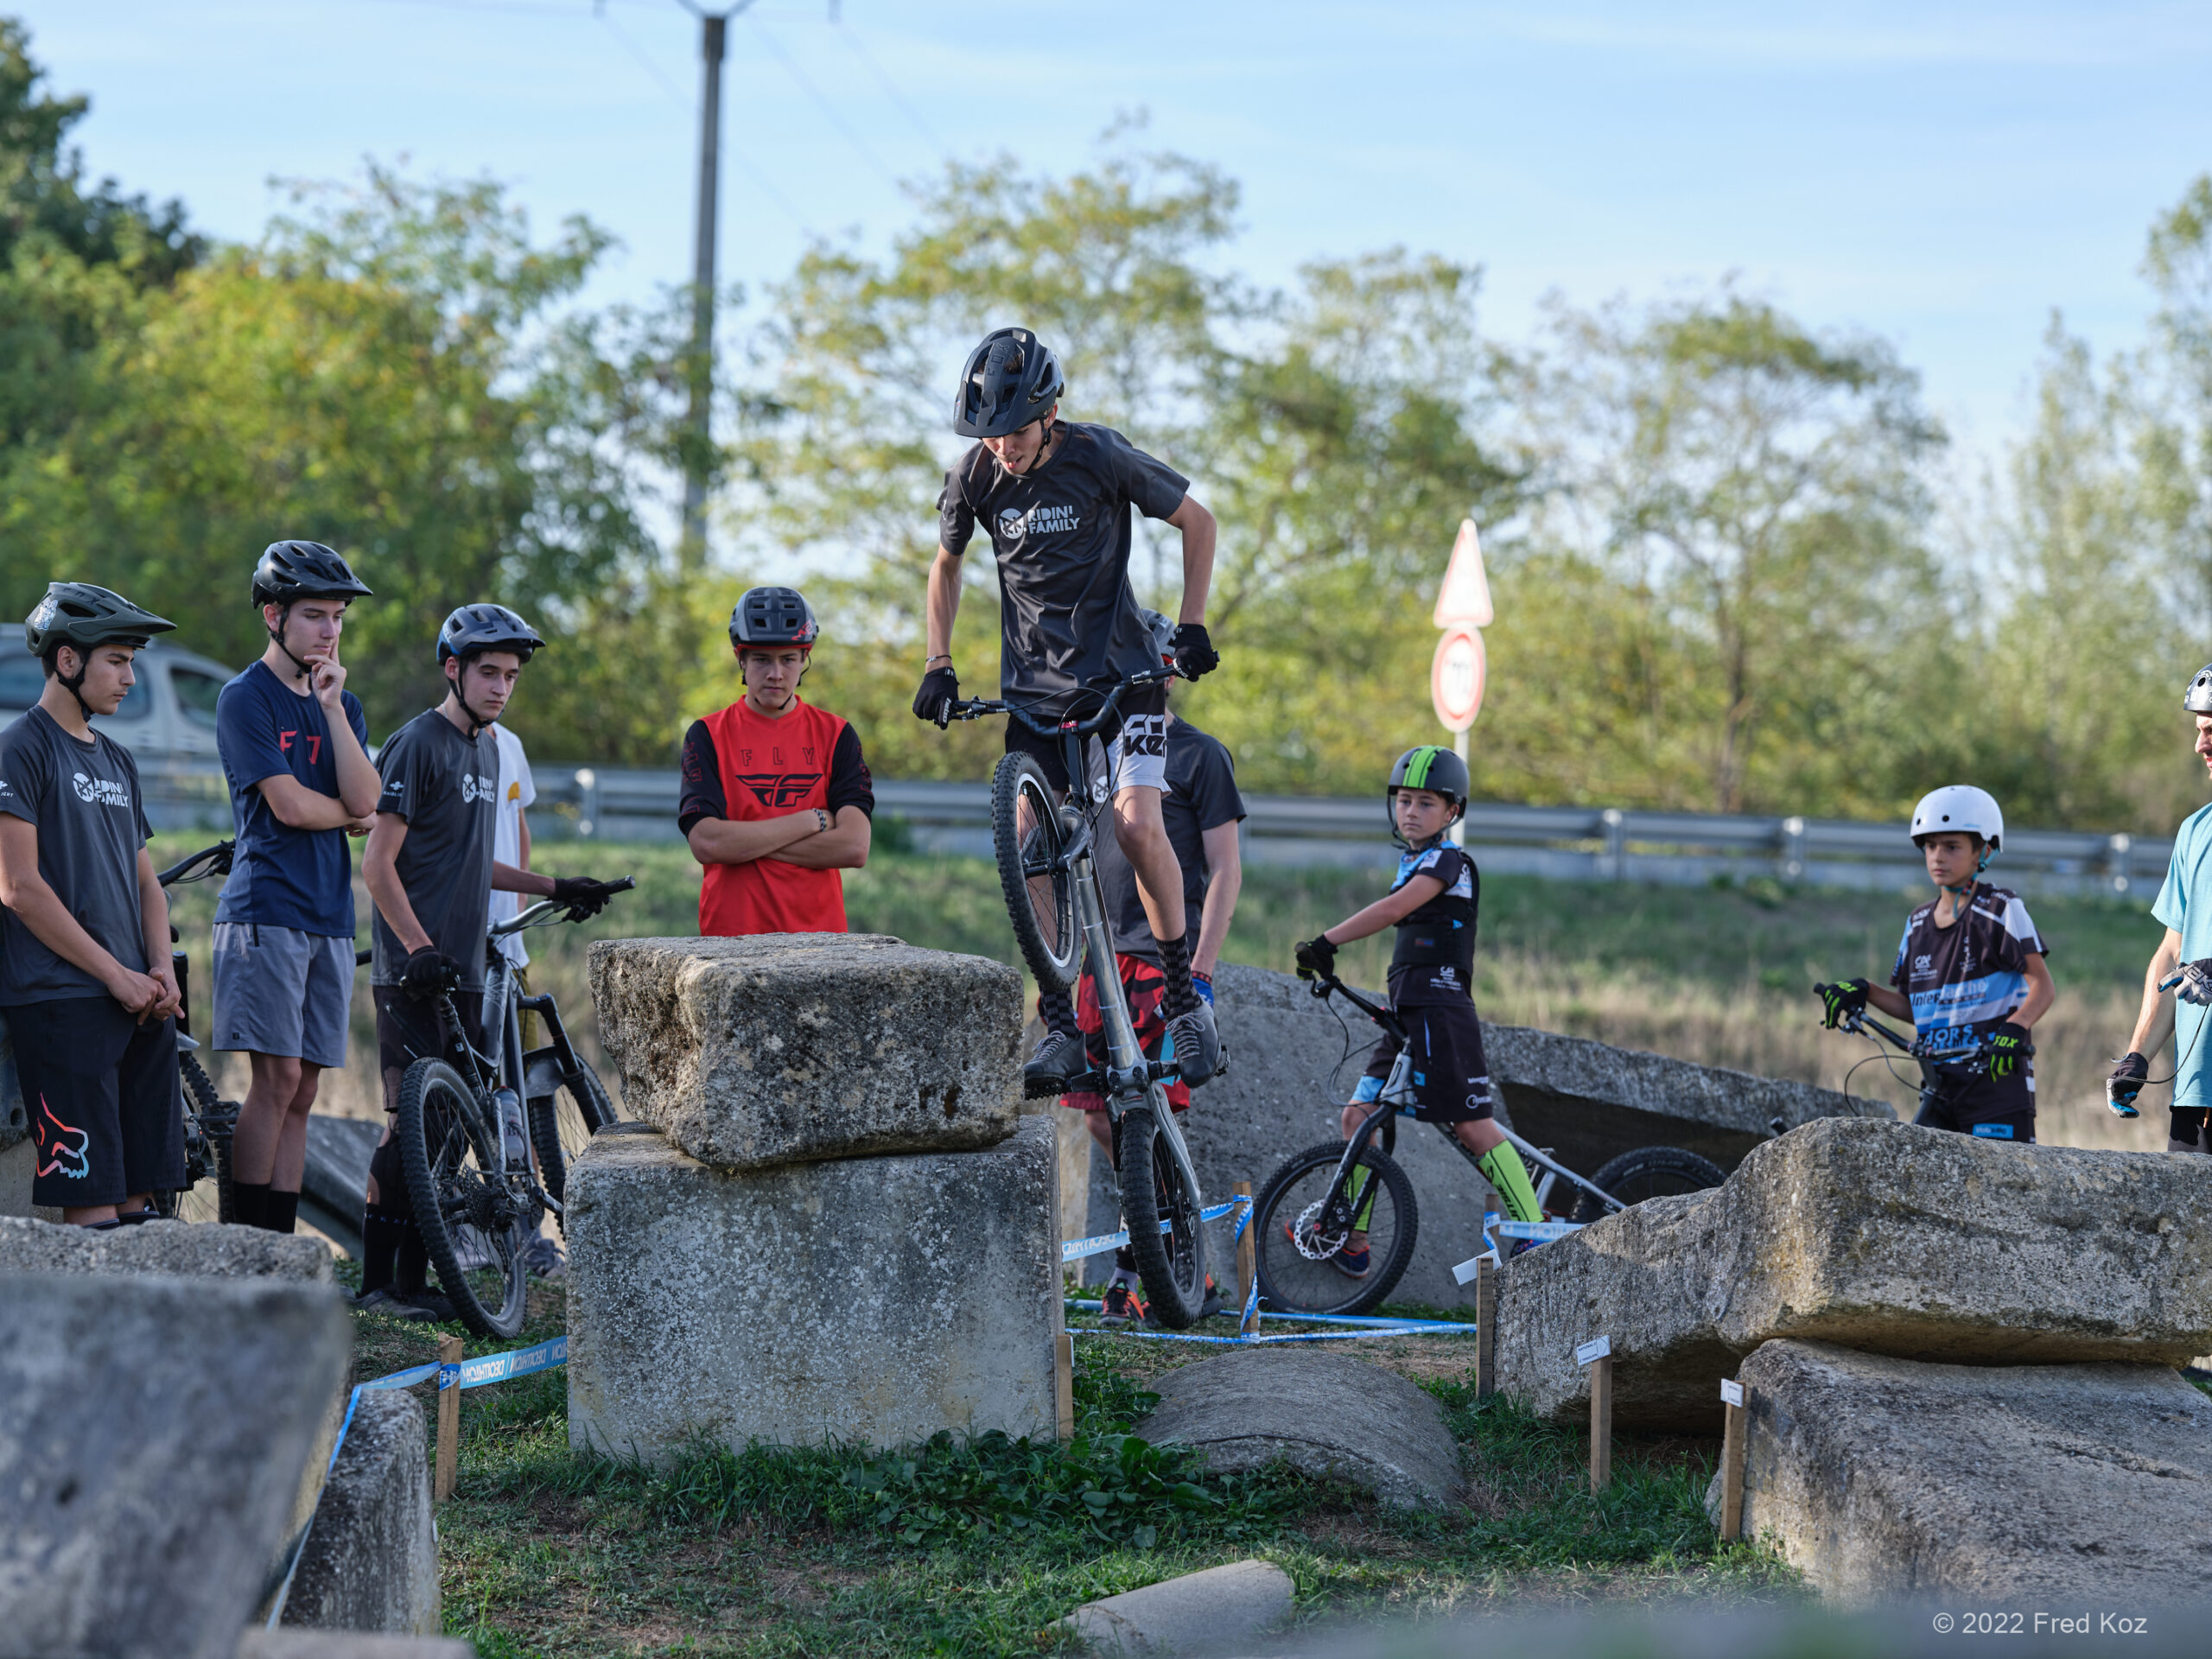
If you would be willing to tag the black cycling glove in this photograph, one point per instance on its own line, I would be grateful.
(2125, 1083)
(428, 971)
(1843, 1002)
(939, 687)
(583, 896)
(2197, 983)
(2009, 1045)
(1317, 958)
(1194, 653)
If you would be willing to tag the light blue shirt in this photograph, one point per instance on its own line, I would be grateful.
(2185, 905)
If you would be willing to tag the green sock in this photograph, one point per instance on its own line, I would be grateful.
(1502, 1164)
(1356, 1190)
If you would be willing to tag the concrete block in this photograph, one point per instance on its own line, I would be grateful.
(1199, 1612)
(187, 1249)
(2058, 1487)
(1335, 1418)
(875, 1300)
(153, 1436)
(284, 1643)
(371, 1559)
(1880, 1236)
(18, 1151)
(788, 1048)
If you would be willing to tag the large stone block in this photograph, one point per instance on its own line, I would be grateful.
(2051, 1486)
(875, 1300)
(370, 1559)
(153, 1434)
(786, 1048)
(162, 1247)
(1882, 1237)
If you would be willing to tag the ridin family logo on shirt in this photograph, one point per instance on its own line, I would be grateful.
(1038, 521)
(105, 791)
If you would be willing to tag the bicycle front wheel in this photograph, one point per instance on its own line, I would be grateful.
(1162, 1211)
(563, 1122)
(1302, 1220)
(1026, 833)
(450, 1153)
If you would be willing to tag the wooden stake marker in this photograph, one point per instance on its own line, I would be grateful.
(1733, 1406)
(1486, 1328)
(1247, 1265)
(441, 1479)
(1064, 1382)
(1597, 1355)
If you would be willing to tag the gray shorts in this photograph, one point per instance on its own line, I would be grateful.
(280, 991)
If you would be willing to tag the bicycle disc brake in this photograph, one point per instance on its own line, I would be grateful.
(1313, 1243)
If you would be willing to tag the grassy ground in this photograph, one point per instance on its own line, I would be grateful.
(978, 1550)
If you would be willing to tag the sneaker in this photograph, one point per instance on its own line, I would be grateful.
(1122, 1306)
(1353, 1264)
(1209, 1304)
(1058, 1061)
(384, 1302)
(543, 1258)
(1197, 1044)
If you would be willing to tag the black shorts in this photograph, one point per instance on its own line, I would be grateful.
(105, 1104)
(1451, 1079)
(1965, 1102)
(409, 1029)
(2191, 1131)
(1136, 743)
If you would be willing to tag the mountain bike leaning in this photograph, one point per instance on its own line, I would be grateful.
(468, 1122)
(1052, 896)
(1320, 1199)
(209, 1119)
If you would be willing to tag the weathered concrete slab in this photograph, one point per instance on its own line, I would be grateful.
(877, 1300)
(1340, 1419)
(790, 1047)
(153, 1434)
(18, 1159)
(371, 1559)
(2045, 1487)
(284, 1643)
(162, 1247)
(1879, 1236)
(1200, 1612)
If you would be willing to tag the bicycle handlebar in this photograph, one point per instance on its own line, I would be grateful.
(1324, 984)
(542, 912)
(1863, 1025)
(974, 708)
(216, 858)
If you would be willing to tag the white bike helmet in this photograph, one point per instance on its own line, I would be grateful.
(1959, 809)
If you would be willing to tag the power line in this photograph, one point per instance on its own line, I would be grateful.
(828, 112)
(890, 90)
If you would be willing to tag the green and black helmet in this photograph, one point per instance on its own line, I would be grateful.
(1437, 769)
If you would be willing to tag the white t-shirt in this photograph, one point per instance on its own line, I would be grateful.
(517, 791)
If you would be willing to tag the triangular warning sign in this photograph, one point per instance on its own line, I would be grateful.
(1465, 596)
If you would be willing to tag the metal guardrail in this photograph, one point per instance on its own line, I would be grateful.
(1566, 842)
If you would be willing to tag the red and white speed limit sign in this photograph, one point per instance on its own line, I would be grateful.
(1456, 676)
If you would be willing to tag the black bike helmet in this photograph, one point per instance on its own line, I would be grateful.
(1437, 769)
(290, 570)
(486, 627)
(774, 616)
(78, 613)
(1011, 380)
(2198, 698)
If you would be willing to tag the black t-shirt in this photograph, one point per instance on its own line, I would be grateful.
(446, 788)
(849, 783)
(1433, 960)
(1201, 795)
(83, 799)
(1067, 617)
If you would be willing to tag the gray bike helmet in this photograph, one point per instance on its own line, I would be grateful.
(78, 613)
(1161, 632)
(2198, 698)
(1011, 380)
(774, 616)
(486, 627)
(290, 570)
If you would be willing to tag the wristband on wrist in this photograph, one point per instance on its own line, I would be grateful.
(942, 657)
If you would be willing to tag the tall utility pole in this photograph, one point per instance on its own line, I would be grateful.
(713, 41)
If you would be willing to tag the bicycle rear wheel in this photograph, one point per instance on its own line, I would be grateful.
(563, 1122)
(1300, 1225)
(450, 1152)
(1026, 832)
(209, 1119)
(1171, 1262)
(1648, 1173)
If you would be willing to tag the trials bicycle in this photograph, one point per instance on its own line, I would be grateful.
(1945, 1064)
(1311, 1206)
(467, 1123)
(1052, 897)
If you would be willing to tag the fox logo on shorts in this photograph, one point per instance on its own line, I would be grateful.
(67, 1160)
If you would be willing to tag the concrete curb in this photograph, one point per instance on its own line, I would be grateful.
(1196, 1613)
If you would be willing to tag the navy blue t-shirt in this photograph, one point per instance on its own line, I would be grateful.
(283, 877)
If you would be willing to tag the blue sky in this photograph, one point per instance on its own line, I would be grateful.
(1945, 174)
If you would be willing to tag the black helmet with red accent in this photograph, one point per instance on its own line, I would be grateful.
(774, 616)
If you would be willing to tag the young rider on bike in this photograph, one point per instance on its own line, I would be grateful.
(1054, 498)
(1433, 904)
(1969, 967)
(431, 869)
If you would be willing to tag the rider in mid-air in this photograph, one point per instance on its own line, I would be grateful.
(1054, 497)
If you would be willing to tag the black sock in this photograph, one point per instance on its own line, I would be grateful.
(249, 1203)
(1056, 1011)
(280, 1210)
(1123, 1261)
(381, 1233)
(411, 1271)
(1181, 996)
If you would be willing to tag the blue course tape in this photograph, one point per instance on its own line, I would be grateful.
(1075, 1250)
(1368, 1326)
